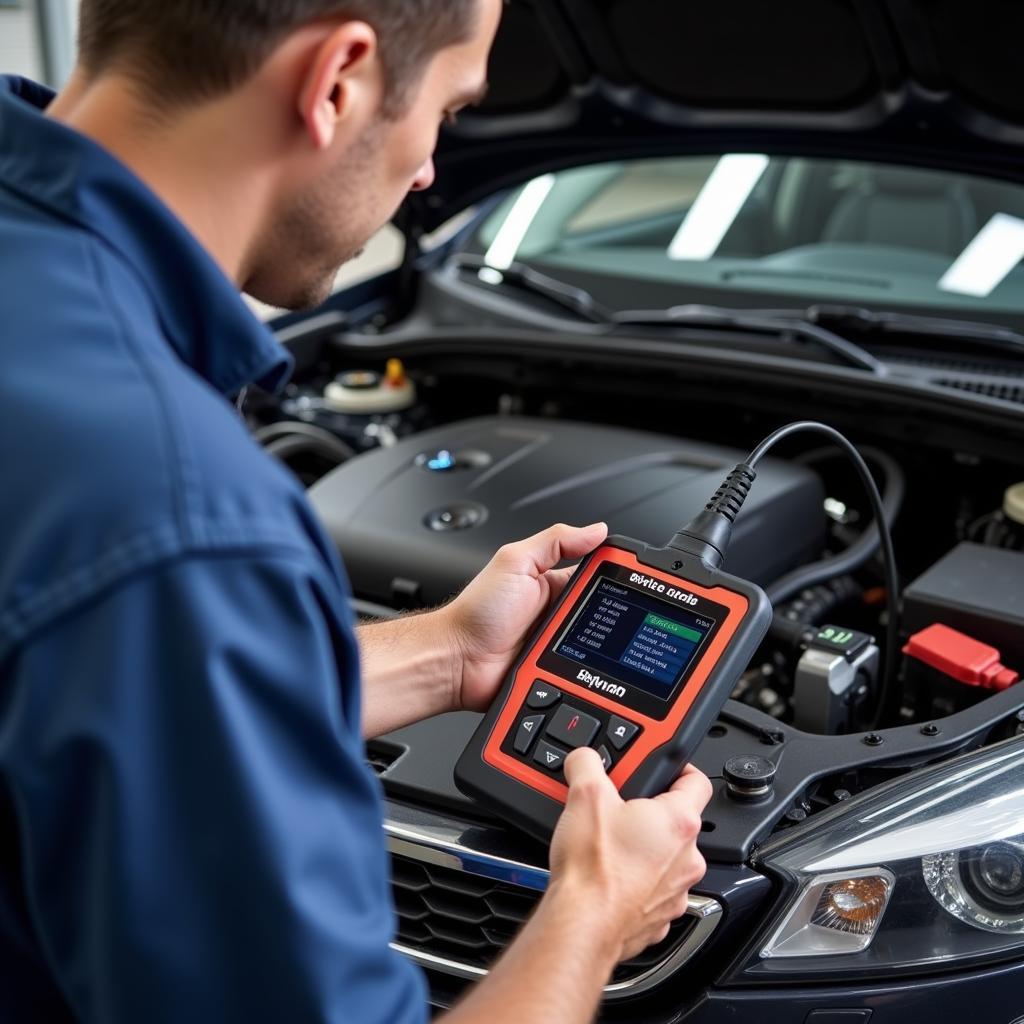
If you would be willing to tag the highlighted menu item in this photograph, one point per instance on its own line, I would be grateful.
(673, 627)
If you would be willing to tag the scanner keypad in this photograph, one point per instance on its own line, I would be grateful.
(563, 724)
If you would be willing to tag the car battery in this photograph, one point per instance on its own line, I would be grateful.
(975, 589)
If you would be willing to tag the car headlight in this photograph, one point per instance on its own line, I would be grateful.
(921, 873)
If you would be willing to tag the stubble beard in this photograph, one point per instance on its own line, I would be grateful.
(317, 234)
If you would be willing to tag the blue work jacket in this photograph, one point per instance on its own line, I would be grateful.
(188, 832)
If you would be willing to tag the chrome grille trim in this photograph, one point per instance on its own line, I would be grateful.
(444, 841)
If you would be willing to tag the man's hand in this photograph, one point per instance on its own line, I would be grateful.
(456, 657)
(620, 874)
(490, 619)
(635, 859)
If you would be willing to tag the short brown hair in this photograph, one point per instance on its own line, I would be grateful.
(188, 50)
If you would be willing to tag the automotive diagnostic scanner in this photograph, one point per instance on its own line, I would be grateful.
(636, 659)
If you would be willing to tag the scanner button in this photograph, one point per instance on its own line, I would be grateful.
(620, 732)
(606, 757)
(529, 728)
(572, 727)
(549, 757)
(542, 695)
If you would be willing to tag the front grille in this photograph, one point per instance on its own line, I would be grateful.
(468, 919)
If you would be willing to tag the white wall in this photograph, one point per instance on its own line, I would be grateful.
(19, 49)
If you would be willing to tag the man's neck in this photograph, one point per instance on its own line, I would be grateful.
(202, 165)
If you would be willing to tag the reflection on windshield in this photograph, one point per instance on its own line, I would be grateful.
(717, 206)
(740, 228)
(990, 257)
(517, 223)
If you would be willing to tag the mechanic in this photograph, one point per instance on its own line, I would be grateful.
(188, 831)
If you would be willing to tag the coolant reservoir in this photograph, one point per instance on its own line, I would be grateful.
(366, 393)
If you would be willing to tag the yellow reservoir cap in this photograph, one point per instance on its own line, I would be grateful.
(395, 373)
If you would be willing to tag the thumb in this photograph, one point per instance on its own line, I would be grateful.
(583, 768)
(583, 539)
(545, 550)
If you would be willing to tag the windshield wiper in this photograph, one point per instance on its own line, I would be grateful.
(579, 301)
(773, 321)
(857, 320)
(575, 300)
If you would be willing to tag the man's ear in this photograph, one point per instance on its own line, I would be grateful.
(341, 82)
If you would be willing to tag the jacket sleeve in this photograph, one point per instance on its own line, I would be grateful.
(202, 841)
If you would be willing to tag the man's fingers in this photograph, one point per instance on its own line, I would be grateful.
(694, 786)
(583, 768)
(545, 550)
(558, 580)
(672, 907)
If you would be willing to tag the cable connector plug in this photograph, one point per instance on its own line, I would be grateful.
(707, 535)
(961, 657)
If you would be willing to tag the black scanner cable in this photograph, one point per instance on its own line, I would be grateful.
(862, 550)
(707, 535)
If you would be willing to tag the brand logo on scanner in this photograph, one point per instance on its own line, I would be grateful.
(656, 585)
(597, 683)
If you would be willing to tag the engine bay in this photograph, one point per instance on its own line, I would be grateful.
(425, 456)
(421, 517)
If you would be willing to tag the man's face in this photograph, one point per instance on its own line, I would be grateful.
(326, 223)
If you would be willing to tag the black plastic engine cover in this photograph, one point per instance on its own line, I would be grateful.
(412, 535)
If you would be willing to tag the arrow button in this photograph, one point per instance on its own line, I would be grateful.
(549, 757)
(528, 728)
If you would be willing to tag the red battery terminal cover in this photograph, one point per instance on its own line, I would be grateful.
(961, 657)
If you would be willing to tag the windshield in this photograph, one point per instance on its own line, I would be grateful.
(746, 229)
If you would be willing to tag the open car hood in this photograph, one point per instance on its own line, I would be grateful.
(934, 83)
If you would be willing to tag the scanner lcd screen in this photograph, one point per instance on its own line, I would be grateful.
(624, 633)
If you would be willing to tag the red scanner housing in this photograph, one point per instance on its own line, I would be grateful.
(654, 733)
(663, 720)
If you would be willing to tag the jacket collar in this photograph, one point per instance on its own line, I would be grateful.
(200, 310)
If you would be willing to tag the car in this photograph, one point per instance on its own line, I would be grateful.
(670, 229)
